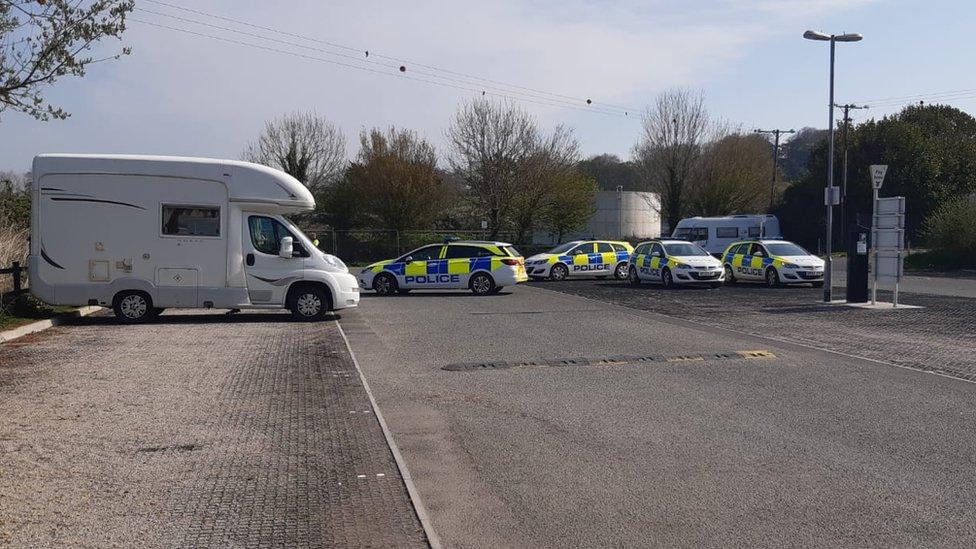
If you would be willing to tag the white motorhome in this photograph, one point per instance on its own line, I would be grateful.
(144, 233)
(717, 233)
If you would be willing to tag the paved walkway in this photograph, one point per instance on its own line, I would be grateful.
(197, 430)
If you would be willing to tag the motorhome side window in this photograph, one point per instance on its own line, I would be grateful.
(266, 235)
(726, 232)
(754, 232)
(191, 220)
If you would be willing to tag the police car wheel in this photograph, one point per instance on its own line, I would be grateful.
(729, 275)
(558, 272)
(772, 277)
(634, 278)
(666, 279)
(385, 284)
(620, 273)
(482, 284)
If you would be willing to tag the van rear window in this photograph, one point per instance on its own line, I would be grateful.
(191, 220)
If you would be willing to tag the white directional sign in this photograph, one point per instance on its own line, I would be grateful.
(888, 240)
(877, 174)
(888, 267)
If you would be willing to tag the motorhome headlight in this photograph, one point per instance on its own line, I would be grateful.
(335, 263)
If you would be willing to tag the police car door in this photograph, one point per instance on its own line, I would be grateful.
(752, 264)
(606, 256)
(421, 268)
(581, 259)
(658, 260)
(461, 259)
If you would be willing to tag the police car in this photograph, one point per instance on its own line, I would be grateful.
(581, 258)
(482, 267)
(774, 262)
(672, 262)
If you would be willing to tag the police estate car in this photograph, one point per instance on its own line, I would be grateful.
(581, 258)
(482, 267)
(773, 261)
(673, 262)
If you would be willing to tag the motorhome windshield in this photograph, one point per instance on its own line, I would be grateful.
(684, 250)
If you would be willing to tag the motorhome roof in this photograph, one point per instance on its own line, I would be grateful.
(728, 217)
(245, 181)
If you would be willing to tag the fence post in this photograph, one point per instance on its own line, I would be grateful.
(16, 274)
(397, 231)
(335, 246)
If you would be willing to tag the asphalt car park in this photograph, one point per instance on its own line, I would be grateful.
(592, 413)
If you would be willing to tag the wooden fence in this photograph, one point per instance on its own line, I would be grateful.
(17, 273)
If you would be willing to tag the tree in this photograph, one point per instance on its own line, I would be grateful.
(610, 172)
(43, 40)
(796, 152)
(396, 178)
(543, 175)
(931, 156)
(305, 146)
(491, 143)
(15, 202)
(669, 149)
(571, 205)
(733, 176)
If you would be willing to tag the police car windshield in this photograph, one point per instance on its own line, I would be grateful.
(563, 248)
(684, 249)
(786, 248)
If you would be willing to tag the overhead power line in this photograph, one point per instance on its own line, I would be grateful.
(945, 96)
(387, 73)
(385, 66)
(465, 78)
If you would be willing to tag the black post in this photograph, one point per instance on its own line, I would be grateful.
(16, 274)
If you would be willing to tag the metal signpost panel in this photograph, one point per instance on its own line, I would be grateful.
(888, 236)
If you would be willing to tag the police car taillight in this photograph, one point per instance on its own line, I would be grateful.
(511, 261)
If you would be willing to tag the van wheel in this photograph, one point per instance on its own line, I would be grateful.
(772, 277)
(558, 272)
(729, 275)
(308, 303)
(385, 284)
(132, 306)
(620, 273)
(482, 284)
(666, 279)
(634, 277)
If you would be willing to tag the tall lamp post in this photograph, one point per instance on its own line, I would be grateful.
(833, 39)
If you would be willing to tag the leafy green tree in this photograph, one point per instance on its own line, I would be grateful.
(15, 202)
(571, 205)
(43, 40)
(952, 229)
(733, 176)
(397, 179)
(931, 156)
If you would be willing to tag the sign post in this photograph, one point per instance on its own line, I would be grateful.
(888, 236)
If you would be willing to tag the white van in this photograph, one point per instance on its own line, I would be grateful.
(717, 233)
(144, 233)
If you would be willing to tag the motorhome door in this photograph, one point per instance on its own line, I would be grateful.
(268, 274)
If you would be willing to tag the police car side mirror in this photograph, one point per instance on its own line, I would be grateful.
(656, 254)
(286, 248)
(408, 259)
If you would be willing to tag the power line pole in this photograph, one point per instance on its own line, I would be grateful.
(776, 133)
(847, 125)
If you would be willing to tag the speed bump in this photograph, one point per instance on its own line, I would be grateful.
(616, 360)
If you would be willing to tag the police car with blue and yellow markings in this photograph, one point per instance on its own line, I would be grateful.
(482, 267)
(581, 258)
(672, 262)
(774, 262)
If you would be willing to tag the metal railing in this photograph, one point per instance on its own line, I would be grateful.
(16, 272)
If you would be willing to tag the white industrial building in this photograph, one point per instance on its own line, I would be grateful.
(619, 215)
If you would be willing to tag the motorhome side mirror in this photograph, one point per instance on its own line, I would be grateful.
(286, 248)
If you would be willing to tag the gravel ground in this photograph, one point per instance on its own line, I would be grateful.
(197, 430)
(940, 337)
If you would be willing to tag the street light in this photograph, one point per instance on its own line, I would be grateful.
(832, 38)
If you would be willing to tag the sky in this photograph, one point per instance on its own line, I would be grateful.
(183, 94)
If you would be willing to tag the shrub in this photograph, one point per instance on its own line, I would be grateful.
(952, 228)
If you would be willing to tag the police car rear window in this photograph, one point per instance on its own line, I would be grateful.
(603, 247)
(512, 251)
(619, 247)
(460, 251)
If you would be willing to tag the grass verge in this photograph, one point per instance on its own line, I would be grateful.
(24, 309)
